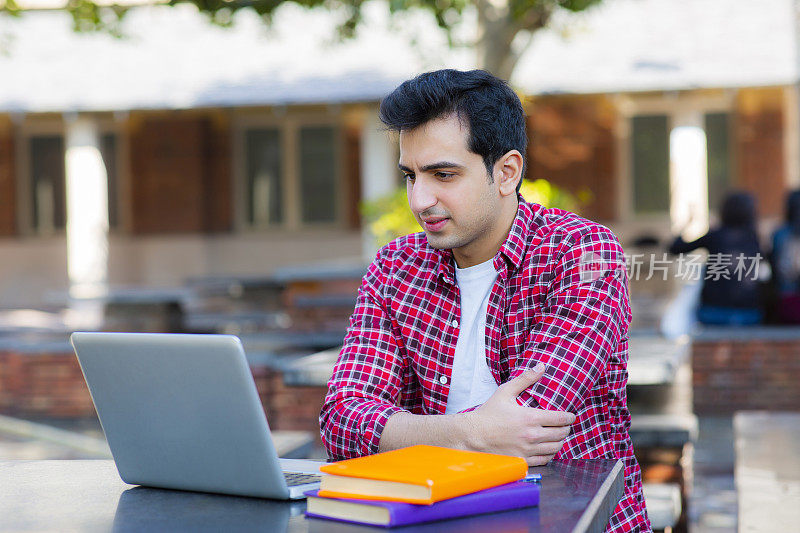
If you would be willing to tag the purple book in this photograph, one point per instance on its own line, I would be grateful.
(380, 513)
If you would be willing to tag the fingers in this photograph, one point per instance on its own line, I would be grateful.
(516, 386)
(548, 434)
(558, 418)
(539, 460)
(545, 418)
(545, 448)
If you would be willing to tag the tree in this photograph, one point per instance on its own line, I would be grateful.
(389, 217)
(499, 22)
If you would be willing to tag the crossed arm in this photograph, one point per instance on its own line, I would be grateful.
(500, 425)
(579, 325)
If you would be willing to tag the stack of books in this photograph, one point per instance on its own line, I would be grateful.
(421, 484)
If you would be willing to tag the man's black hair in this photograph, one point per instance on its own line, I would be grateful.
(483, 102)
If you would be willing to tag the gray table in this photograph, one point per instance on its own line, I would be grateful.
(577, 495)
(768, 470)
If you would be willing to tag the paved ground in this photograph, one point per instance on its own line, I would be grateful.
(33, 445)
(20, 448)
(712, 505)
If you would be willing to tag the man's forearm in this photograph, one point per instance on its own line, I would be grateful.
(499, 425)
(406, 429)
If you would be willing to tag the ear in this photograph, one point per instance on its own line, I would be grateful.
(508, 172)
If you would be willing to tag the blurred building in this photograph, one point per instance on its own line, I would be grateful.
(238, 151)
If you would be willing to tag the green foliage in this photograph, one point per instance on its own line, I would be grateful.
(545, 193)
(529, 15)
(9, 6)
(509, 18)
(87, 16)
(389, 217)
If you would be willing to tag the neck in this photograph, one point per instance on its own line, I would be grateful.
(487, 247)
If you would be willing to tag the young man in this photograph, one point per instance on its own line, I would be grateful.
(504, 326)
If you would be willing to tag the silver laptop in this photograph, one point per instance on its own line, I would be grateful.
(182, 412)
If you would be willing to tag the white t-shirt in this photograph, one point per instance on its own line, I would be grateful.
(472, 382)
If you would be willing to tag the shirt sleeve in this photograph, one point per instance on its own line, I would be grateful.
(367, 379)
(584, 315)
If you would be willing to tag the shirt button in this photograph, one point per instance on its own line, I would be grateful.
(443, 380)
(454, 323)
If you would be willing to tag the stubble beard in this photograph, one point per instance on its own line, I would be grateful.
(462, 238)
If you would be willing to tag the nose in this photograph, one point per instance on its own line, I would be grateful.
(421, 195)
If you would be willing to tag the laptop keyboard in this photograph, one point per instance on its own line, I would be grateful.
(299, 478)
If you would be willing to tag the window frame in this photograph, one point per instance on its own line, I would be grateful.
(113, 127)
(731, 140)
(288, 124)
(338, 182)
(244, 199)
(670, 124)
(671, 104)
(44, 126)
(25, 132)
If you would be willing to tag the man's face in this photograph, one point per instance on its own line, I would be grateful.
(449, 191)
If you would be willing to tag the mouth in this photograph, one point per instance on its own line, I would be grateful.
(434, 224)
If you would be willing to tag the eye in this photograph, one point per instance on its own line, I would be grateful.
(444, 175)
(408, 177)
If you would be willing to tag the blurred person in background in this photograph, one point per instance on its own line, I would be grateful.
(785, 260)
(731, 293)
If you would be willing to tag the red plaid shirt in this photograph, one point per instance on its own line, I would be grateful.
(561, 297)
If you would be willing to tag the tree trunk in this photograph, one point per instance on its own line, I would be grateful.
(497, 30)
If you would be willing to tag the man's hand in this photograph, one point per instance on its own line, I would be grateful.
(500, 425)
(503, 426)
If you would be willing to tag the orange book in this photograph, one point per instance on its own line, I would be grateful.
(419, 474)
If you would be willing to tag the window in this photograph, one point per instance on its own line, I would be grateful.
(47, 179)
(264, 177)
(650, 142)
(291, 176)
(717, 126)
(318, 171)
(48, 202)
(108, 151)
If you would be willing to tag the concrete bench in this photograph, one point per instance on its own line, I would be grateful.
(663, 430)
(663, 504)
(661, 442)
(655, 360)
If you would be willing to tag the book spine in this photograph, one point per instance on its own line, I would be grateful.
(346, 495)
(488, 501)
(481, 481)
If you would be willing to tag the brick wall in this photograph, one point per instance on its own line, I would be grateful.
(758, 147)
(321, 305)
(218, 177)
(43, 385)
(352, 175)
(8, 198)
(180, 174)
(289, 407)
(51, 385)
(736, 374)
(571, 144)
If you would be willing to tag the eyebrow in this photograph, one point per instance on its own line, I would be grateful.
(432, 166)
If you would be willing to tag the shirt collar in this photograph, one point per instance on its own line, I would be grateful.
(513, 247)
(446, 268)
